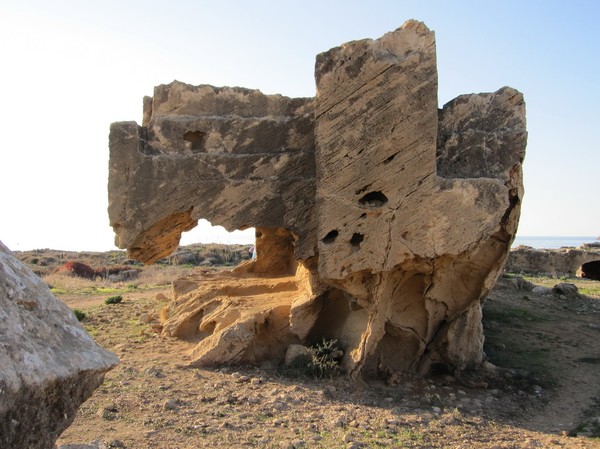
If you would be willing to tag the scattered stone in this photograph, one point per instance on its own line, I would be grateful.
(171, 404)
(541, 290)
(297, 354)
(566, 289)
(111, 407)
(146, 318)
(157, 328)
(392, 422)
(155, 372)
(108, 415)
(353, 423)
(340, 421)
(162, 297)
(298, 444)
(355, 445)
(93, 445)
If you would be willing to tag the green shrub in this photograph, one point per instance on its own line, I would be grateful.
(79, 314)
(326, 356)
(114, 300)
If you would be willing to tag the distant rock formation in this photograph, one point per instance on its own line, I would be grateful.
(381, 221)
(49, 365)
(583, 261)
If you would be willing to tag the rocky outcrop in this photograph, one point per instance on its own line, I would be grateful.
(49, 364)
(583, 261)
(386, 219)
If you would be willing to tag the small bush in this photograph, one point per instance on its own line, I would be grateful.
(78, 269)
(114, 300)
(79, 314)
(326, 359)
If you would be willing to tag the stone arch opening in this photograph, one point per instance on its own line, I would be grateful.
(274, 253)
(591, 270)
(207, 245)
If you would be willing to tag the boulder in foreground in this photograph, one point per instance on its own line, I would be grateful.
(49, 365)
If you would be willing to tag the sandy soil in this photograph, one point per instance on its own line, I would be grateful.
(548, 389)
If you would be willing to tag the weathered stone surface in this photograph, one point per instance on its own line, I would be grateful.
(404, 229)
(583, 261)
(388, 219)
(49, 365)
(234, 156)
(566, 289)
(237, 318)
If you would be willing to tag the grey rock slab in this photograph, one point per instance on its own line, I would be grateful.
(50, 365)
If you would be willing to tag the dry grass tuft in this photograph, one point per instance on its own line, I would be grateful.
(64, 280)
(154, 275)
(150, 276)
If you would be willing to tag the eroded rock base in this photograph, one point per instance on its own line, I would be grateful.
(250, 316)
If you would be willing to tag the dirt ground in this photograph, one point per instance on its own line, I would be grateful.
(545, 395)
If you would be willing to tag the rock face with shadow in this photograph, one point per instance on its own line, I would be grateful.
(49, 365)
(381, 220)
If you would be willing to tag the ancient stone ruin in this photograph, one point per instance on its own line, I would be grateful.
(381, 220)
(583, 261)
(49, 365)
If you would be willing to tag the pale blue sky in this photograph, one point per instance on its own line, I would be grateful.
(70, 68)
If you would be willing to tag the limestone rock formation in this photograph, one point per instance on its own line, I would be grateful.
(583, 261)
(233, 156)
(381, 220)
(49, 365)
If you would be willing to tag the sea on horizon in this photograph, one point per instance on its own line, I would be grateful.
(553, 242)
